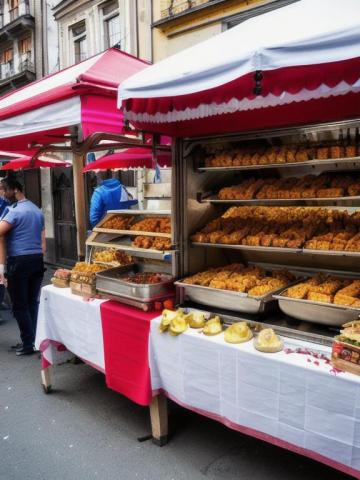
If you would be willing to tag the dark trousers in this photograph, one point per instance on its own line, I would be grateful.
(25, 274)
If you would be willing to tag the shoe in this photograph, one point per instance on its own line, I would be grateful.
(17, 346)
(25, 351)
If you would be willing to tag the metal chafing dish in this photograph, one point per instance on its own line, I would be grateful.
(230, 300)
(317, 312)
(113, 282)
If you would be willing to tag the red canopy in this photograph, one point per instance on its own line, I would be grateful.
(24, 163)
(130, 158)
(83, 95)
(296, 64)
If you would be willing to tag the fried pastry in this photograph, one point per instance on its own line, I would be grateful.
(320, 297)
(337, 151)
(322, 153)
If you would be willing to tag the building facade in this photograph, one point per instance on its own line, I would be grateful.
(89, 27)
(26, 33)
(179, 24)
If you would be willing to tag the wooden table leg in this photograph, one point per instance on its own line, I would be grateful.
(159, 420)
(46, 379)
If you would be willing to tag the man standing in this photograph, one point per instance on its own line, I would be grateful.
(22, 245)
(111, 195)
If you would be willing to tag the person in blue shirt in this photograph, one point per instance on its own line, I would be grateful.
(3, 210)
(3, 202)
(22, 245)
(111, 195)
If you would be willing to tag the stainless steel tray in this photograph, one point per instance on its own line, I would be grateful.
(280, 201)
(317, 312)
(308, 163)
(110, 281)
(246, 247)
(302, 251)
(145, 213)
(227, 299)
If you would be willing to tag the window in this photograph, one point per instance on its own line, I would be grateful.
(25, 46)
(79, 39)
(112, 25)
(6, 56)
(13, 9)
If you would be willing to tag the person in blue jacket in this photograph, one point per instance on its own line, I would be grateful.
(111, 195)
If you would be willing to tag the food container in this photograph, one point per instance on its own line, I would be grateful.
(112, 282)
(227, 299)
(60, 282)
(345, 356)
(316, 312)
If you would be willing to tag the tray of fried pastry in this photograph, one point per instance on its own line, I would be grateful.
(236, 287)
(327, 299)
(136, 222)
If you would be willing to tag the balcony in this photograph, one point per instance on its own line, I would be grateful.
(20, 20)
(14, 75)
(175, 9)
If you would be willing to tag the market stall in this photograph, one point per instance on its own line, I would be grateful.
(266, 193)
(75, 111)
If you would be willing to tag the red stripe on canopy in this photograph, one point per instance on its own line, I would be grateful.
(24, 163)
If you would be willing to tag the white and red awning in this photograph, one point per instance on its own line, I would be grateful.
(83, 95)
(296, 64)
(130, 158)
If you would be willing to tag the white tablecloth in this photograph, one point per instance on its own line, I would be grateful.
(71, 321)
(295, 400)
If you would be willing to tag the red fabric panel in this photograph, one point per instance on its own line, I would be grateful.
(126, 337)
(24, 164)
(112, 68)
(315, 111)
(22, 142)
(129, 159)
(290, 79)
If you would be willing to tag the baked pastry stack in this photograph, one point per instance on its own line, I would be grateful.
(260, 155)
(154, 243)
(285, 227)
(238, 278)
(153, 224)
(327, 289)
(326, 185)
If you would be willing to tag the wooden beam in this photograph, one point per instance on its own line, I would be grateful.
(80, 203)
(46, 379)
(159, 420)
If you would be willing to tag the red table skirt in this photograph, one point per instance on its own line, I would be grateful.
(126, 339)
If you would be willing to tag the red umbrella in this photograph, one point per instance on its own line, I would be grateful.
(130, 158)
(24, 163)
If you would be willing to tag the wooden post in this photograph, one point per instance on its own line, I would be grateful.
(80, 204)
(46, 379)
(159, 420)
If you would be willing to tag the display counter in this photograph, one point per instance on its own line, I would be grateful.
(109, 336)
(294, 399)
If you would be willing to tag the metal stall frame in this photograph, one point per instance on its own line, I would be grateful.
(193, 211)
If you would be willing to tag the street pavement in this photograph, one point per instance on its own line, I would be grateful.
(84, 431)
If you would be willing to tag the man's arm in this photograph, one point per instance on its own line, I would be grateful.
(96, 209)
(43, 242)
(5, 227)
